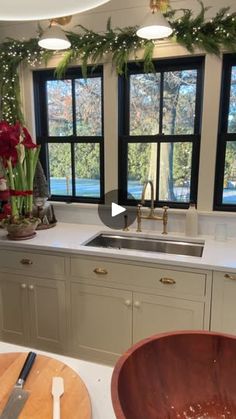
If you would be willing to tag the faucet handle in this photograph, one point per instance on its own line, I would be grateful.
(165, 219)
(139, 217)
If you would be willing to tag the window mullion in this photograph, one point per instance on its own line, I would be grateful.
(161, 103)
(73, 169)
(198, 103)
(158, 171)
(73, 107)
(160, 133)
(72, 144)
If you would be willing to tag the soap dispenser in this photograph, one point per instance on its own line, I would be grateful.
(191, 222)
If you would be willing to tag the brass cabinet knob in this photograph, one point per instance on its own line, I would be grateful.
(128, 303)
(100, 271)
(168, 281)
(137, 304)
(232, 277)
(31, 287)
(26, 262)
(23, 286)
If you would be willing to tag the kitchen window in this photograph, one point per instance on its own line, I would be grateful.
(225, 179)
(159, 130)
(69, 126)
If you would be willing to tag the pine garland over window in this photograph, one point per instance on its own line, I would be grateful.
(188, 30)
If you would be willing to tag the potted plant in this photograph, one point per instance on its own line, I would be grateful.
(19, 156)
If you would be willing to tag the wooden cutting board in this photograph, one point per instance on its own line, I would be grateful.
(75, 402)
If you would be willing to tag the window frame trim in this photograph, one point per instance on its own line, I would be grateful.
(229, 60)
(42, 135)
(165, 65)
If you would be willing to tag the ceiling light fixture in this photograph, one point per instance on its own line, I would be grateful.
(13, 10)
(155, 26)
(54, 37)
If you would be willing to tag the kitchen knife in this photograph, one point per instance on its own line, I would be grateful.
(18, 396)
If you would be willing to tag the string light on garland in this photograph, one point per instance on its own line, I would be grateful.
(189, 31)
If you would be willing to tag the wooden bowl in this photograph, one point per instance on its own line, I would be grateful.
(184, 375)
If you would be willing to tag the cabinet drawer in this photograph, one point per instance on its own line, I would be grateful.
(32, 263)
(155, 279)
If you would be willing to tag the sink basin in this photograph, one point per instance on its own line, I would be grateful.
(148, 244)
(177, 375)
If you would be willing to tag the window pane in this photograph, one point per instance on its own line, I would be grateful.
(179, 102)
(175, 172)
(229, 192)
(59, 106)
(142, 163)
(232, 106)
(144, 104)
(60, 169)
(87, 170)
(88, 100)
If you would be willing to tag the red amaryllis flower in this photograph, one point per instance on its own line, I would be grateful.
(28, 142)
(9, 138)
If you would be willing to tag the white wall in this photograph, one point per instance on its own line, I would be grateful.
(126, 13)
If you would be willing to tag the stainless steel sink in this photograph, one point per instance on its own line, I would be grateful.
(148, 244)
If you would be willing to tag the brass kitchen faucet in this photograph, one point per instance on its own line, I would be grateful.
(151, 215)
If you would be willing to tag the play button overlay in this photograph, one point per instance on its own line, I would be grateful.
(116, 216)
(116, 209)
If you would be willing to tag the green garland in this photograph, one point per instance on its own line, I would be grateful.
(88, 46)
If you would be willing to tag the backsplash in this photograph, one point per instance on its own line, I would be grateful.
(88, 214)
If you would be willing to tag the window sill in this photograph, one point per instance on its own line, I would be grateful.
(176, 211)
(73, 205)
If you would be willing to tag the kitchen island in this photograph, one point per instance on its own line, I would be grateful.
(69, 238)
(58, 295)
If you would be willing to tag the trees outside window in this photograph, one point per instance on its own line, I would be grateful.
(69, 125)
(225, 179)
(159, 135)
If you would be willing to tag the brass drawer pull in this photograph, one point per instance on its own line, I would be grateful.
(232, 277)
(168, 281)
(100, 271)
(26, 262)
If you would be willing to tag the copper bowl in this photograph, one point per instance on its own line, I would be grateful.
(183, 375)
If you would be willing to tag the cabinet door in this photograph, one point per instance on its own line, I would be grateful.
(100, 321)
(14, 308)
(47, 314)
(223, 317)
(156, 314)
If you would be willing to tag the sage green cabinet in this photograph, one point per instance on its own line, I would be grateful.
(96, 308)
(14, 309)
(114, 304)
(105, 322)
(33, 311)
(157, 314)
(223, 313)
(100, 322)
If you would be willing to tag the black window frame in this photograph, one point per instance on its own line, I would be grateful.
(163, 65)
(40, 78)
(229, 60)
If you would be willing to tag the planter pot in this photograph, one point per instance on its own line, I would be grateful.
(23, 230)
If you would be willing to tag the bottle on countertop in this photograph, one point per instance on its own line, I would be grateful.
(191, 222)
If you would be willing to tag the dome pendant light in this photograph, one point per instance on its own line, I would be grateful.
(54, 38)
(155, 26)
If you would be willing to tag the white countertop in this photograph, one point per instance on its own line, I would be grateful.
(69, 238)
(96, 377)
